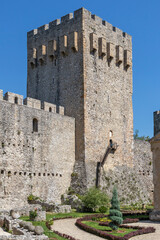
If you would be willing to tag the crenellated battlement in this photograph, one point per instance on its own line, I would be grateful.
(156, 116)
(31, 102)
(62, 38)
(76, 16)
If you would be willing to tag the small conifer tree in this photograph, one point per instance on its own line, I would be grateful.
(114, 213)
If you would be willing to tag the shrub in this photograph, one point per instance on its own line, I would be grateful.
(33, 215)
(32, 198)
(102, 209)
(93, 199)
(114, 213)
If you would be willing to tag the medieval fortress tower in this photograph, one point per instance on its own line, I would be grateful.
(79, 102)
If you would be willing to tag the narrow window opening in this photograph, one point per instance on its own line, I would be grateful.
(9, 173)
(50, 109)
(16, 100)
(2, 171)
(35, 125)
(39, 174)
(110, 134)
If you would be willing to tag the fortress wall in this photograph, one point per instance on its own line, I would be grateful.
(108, 95)
(57, 76)
(81, 62)
(40, 162)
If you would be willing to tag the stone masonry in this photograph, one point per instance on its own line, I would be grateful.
(155, 147)
(85, 64)
(33, 162)
(79, 101)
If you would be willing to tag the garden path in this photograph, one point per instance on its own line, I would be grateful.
(150, 236)
(68, 227)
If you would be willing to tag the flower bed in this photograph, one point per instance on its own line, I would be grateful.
(65, 235)
(138, 230)
(127, 220)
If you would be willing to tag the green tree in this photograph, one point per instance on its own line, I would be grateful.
(114, 213)
(94, 198)
(136, 136)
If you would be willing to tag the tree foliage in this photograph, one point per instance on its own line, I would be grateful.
(95, 198)
(136, 136)
(114, 213)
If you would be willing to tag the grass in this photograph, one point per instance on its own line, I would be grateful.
(47, 232)
(64, 215)
(105, 228)
(50, 216)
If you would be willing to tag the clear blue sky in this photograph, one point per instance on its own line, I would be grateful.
(139, 18)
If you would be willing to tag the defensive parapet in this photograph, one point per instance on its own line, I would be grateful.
(62, 37)
(156, 116)
(31, 102)
(74, 17)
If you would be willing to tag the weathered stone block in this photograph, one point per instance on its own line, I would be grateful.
(102, 47)
(15, 214)
(127, 58)
(62, 208)
(110, 50)
(61, 110)
(49, 107)
(34, 103)
(39, 230)
(119, 54)
(67, 17)
(52, 48)
(154, 215)
(63, 45)
(74, 41)
(14, 98)
(41, 216)
(33, 57)
(93, 42)
(1, 94)
(42, 54)
(17, 231)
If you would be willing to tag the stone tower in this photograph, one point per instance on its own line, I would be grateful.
(85, 64)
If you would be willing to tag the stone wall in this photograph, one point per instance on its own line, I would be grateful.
(85, 64)
(108, 95)
(58, 78)
(135, 185)
(38, 161)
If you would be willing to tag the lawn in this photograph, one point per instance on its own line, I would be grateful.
(65, 215)
(109, 230)
(50, 216)
(47, 232)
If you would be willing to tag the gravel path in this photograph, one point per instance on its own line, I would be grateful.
(150, 236)
(68, 227)
(3, 233)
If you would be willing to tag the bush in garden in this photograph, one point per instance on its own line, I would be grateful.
(33, 215)
(102, 209)
(114, 213)
(94, 198)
